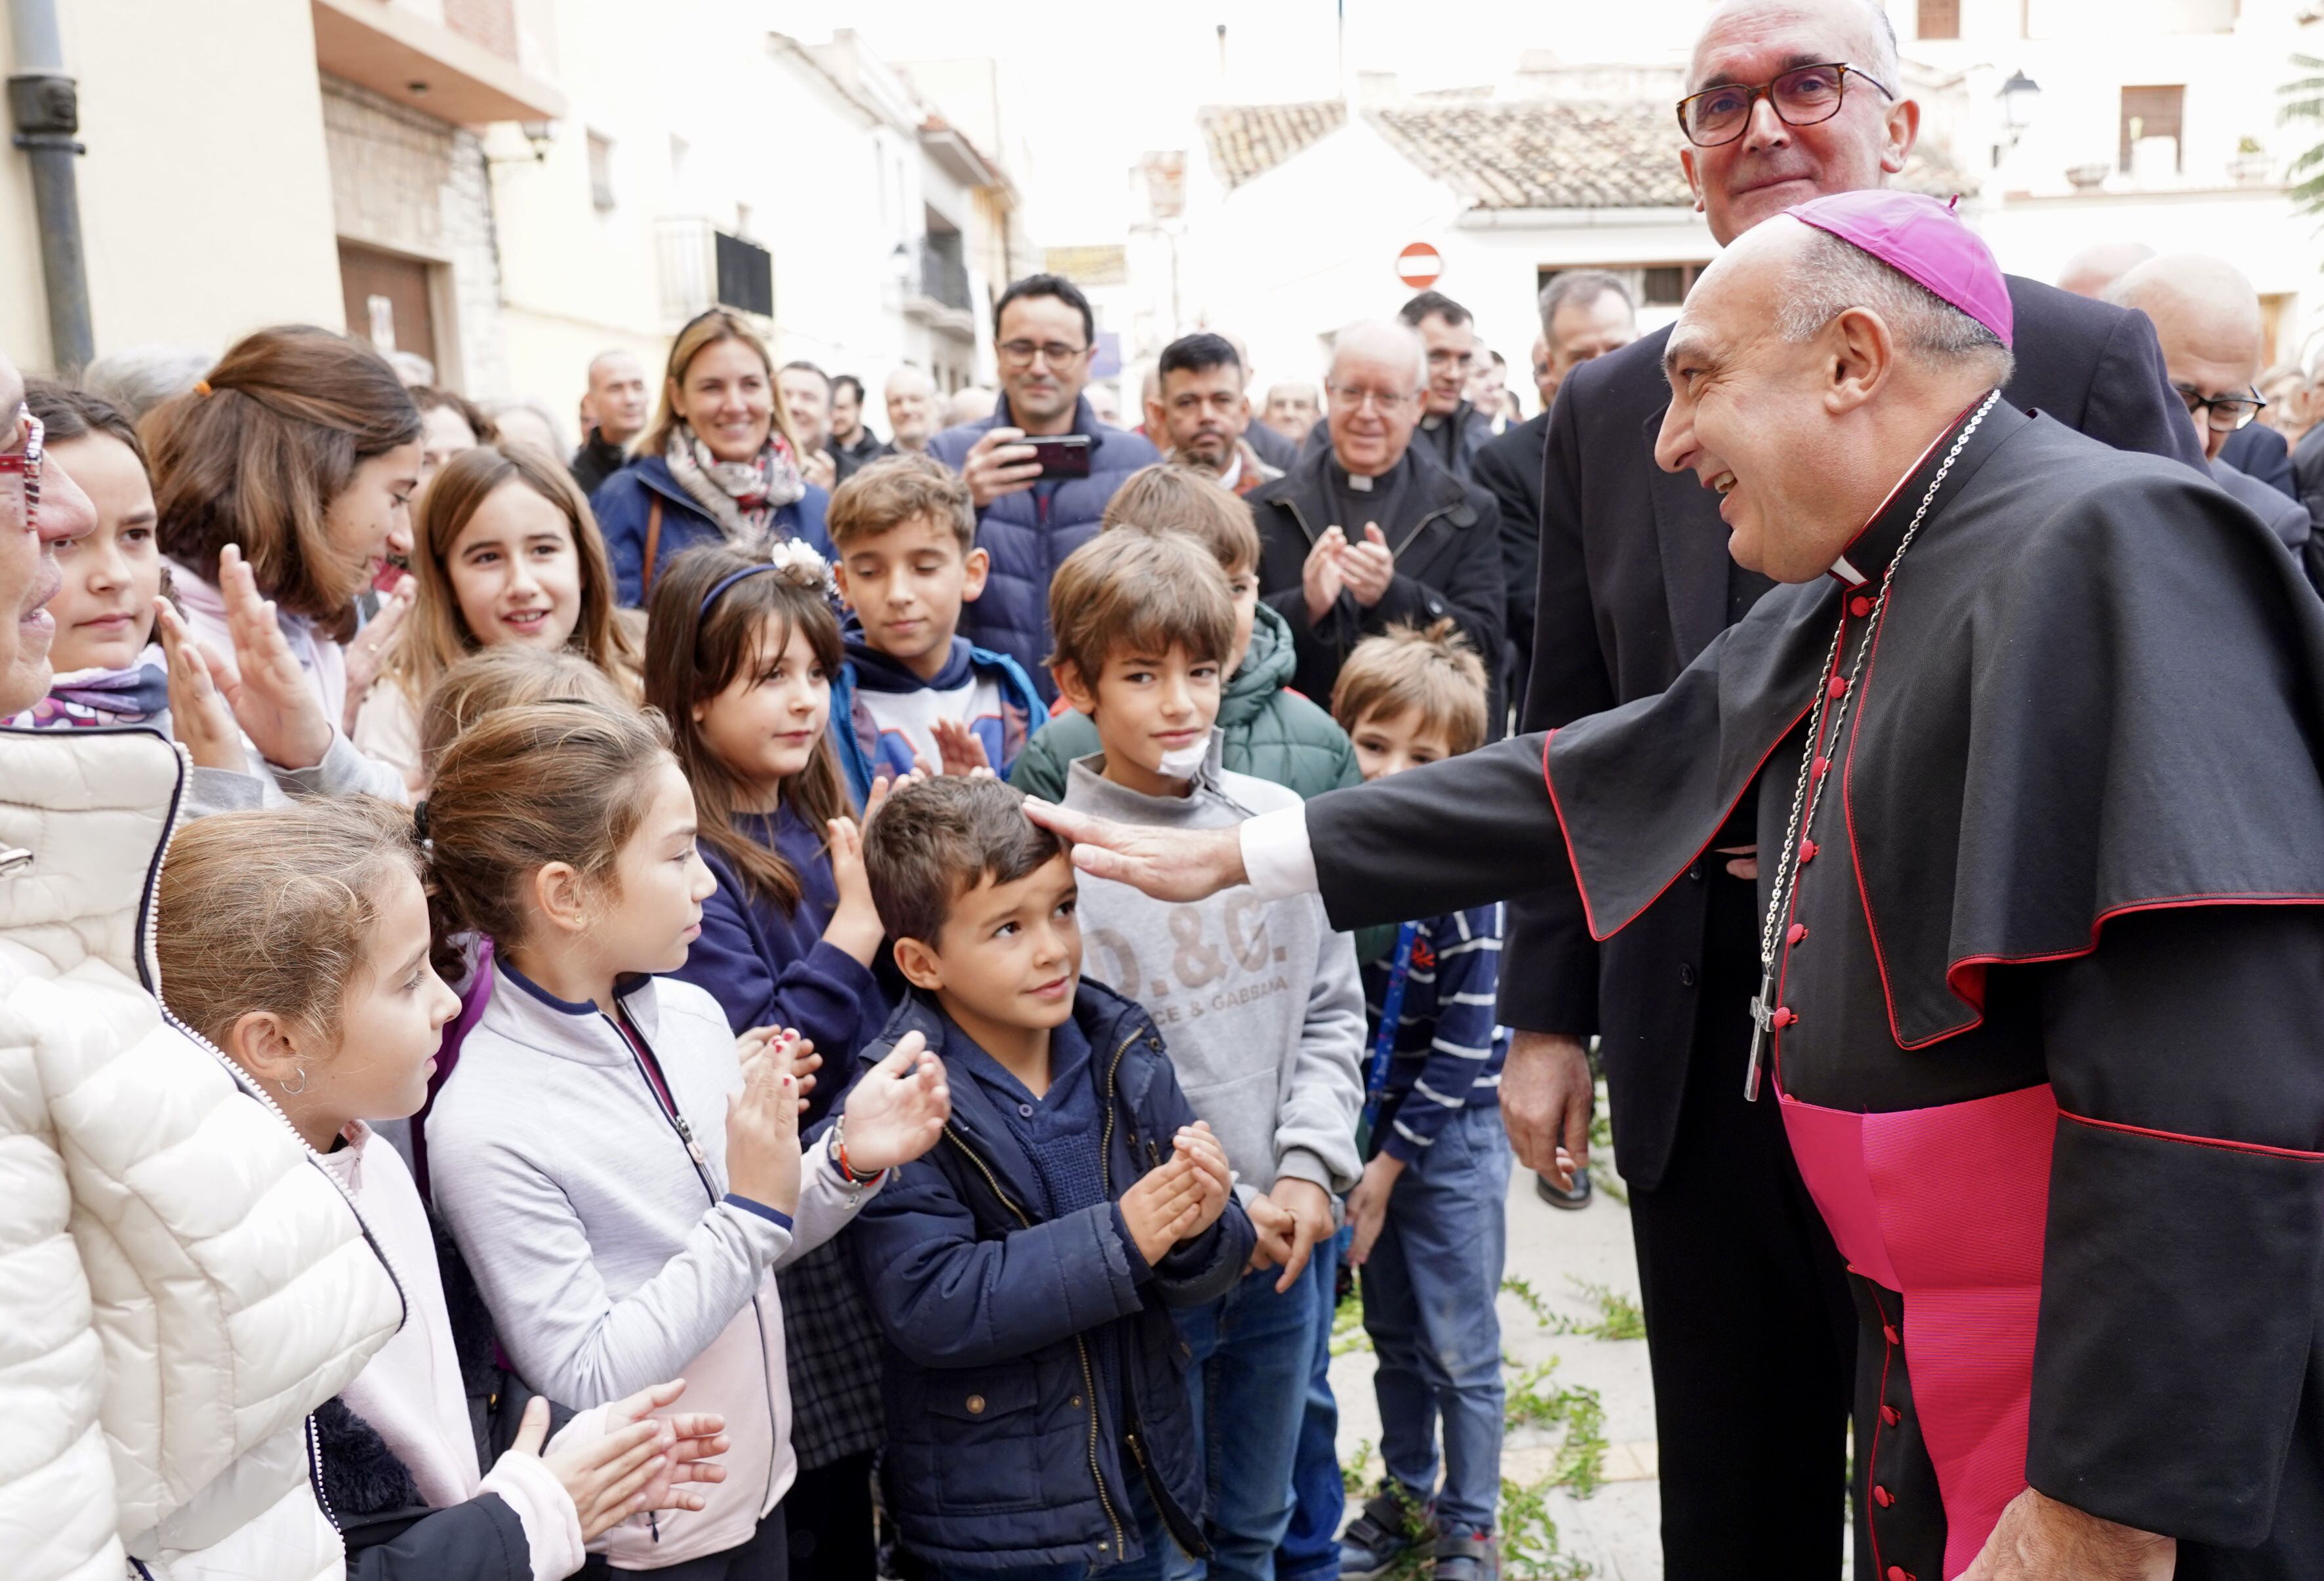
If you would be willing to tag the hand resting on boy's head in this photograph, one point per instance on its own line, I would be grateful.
(897, 1111)
(1169, 864)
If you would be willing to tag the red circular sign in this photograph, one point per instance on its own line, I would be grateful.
(1419, 265)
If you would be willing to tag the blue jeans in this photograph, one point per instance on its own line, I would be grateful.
(1428, 1307)
(1310, 1550)
(1252, 1354)
(1152, 1536)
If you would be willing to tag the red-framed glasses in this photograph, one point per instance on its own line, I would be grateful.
(25, 460)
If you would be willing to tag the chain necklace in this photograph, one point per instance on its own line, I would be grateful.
(1815, 766)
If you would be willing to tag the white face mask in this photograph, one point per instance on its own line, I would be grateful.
(1186, 762)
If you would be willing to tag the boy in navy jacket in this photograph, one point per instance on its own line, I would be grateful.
(903, 533)
(1023, 1271)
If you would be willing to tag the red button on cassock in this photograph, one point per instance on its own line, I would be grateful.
(1888, 1332)
(1838, 688)
(1784, 1016)
(1896, 1573)
(1891, 1415)
(1822, 767)
(1883, 1497)
(1859, 606)
(1807, 850)
(1795, 932)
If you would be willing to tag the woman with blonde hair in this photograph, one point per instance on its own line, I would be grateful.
(505, 551)
(720, 464)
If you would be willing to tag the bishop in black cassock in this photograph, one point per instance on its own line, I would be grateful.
(2040, 829)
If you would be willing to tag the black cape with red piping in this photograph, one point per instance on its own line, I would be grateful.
(2054, 1061)
(2100, 690)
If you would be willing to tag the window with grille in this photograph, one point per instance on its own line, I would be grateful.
(601, 170)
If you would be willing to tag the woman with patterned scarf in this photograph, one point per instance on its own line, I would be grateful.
(719, 463)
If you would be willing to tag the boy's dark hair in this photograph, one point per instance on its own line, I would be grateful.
(1048, 285)
(1197, 353)
(848, 381)
(1433, 304)
(935, 840)
(1138, 591)
(896, 489)
(1166, 498)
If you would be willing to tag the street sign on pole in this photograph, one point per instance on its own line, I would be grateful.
(1419, 265)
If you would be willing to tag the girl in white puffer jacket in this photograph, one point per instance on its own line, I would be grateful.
(296, 941)
(179, 1285)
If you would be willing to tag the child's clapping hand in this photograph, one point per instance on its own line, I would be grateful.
(1165, 1205)
(854, 925)
(786, 1041)
(1214, 1178)
(960, 751)
(762, 1141)
(899, 1109)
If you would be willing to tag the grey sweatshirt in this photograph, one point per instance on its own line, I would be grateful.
(1258, 1001)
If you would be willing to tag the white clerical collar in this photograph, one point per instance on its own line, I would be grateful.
(1233, 473)
(1843, 570)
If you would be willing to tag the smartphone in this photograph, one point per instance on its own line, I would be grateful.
(1064, 455)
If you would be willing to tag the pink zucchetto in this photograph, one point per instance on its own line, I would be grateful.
(1926, 241)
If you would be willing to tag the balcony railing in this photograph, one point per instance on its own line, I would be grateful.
(944, 278)
(702, 266)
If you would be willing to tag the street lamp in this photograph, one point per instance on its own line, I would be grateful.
(2018, 97)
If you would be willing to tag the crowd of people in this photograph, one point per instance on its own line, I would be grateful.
(541, 1038)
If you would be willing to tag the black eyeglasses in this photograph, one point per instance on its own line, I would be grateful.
(1802, 97)
(2223, 413)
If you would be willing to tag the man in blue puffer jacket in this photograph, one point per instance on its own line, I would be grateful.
(1042, 334)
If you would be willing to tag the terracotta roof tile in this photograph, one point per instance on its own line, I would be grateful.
(1249, 140)
(1508, 153)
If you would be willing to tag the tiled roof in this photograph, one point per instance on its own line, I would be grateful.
(1509, 154)
(1249, 140)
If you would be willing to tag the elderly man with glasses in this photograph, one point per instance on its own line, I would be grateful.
(1041, 468)
(1363, 533)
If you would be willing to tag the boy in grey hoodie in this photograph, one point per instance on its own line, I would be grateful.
(1260, 1001)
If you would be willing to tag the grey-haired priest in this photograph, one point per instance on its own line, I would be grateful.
(2033, 728)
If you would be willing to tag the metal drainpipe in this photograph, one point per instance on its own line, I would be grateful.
(45, 105)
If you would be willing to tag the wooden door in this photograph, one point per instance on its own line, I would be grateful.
(387, 300)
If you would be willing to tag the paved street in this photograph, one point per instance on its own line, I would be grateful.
(1614, 1529)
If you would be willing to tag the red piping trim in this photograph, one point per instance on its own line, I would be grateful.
(1825, 730)
(1862, 703)
(1587, 915)
(2158, 903)
(2212, 1141)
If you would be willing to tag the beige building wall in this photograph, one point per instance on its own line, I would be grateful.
(204, 195)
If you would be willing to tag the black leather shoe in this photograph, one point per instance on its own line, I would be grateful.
(1556, 1196)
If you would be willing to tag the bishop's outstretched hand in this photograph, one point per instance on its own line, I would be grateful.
(1170, 864)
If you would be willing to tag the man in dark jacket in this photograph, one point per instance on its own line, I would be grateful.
(1363, 533)
(1585, 313)
(1452, 430)
(1028, 521)
(852, 445)
(1750, 1325)
(614, 413)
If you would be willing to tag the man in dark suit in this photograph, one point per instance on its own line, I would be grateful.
(2257, 450)
(1750, 1324)
(1364, 532)
(1585, 313)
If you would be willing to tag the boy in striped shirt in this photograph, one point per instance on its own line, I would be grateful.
(1427, 1216)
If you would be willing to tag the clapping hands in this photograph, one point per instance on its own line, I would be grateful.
(1178, 1200)
(1363, 570)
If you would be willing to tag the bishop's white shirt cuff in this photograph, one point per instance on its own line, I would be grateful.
(1276, 858)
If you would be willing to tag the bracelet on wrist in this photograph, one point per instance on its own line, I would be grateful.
(853, 1176)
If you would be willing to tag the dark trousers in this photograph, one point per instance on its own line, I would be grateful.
(830, 1515)
(1750, 1325)
(764, 1556)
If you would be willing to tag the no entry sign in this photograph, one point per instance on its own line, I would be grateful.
(1419, 265)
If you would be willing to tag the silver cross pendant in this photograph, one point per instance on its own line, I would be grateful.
(1763, 1021)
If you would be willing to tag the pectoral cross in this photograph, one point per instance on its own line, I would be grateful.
(1763, 1021)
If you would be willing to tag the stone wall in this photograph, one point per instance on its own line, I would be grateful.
(411, 184)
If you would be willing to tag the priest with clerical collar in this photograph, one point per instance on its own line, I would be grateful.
(2034, 731)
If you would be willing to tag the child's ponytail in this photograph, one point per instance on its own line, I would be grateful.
(525, 787)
